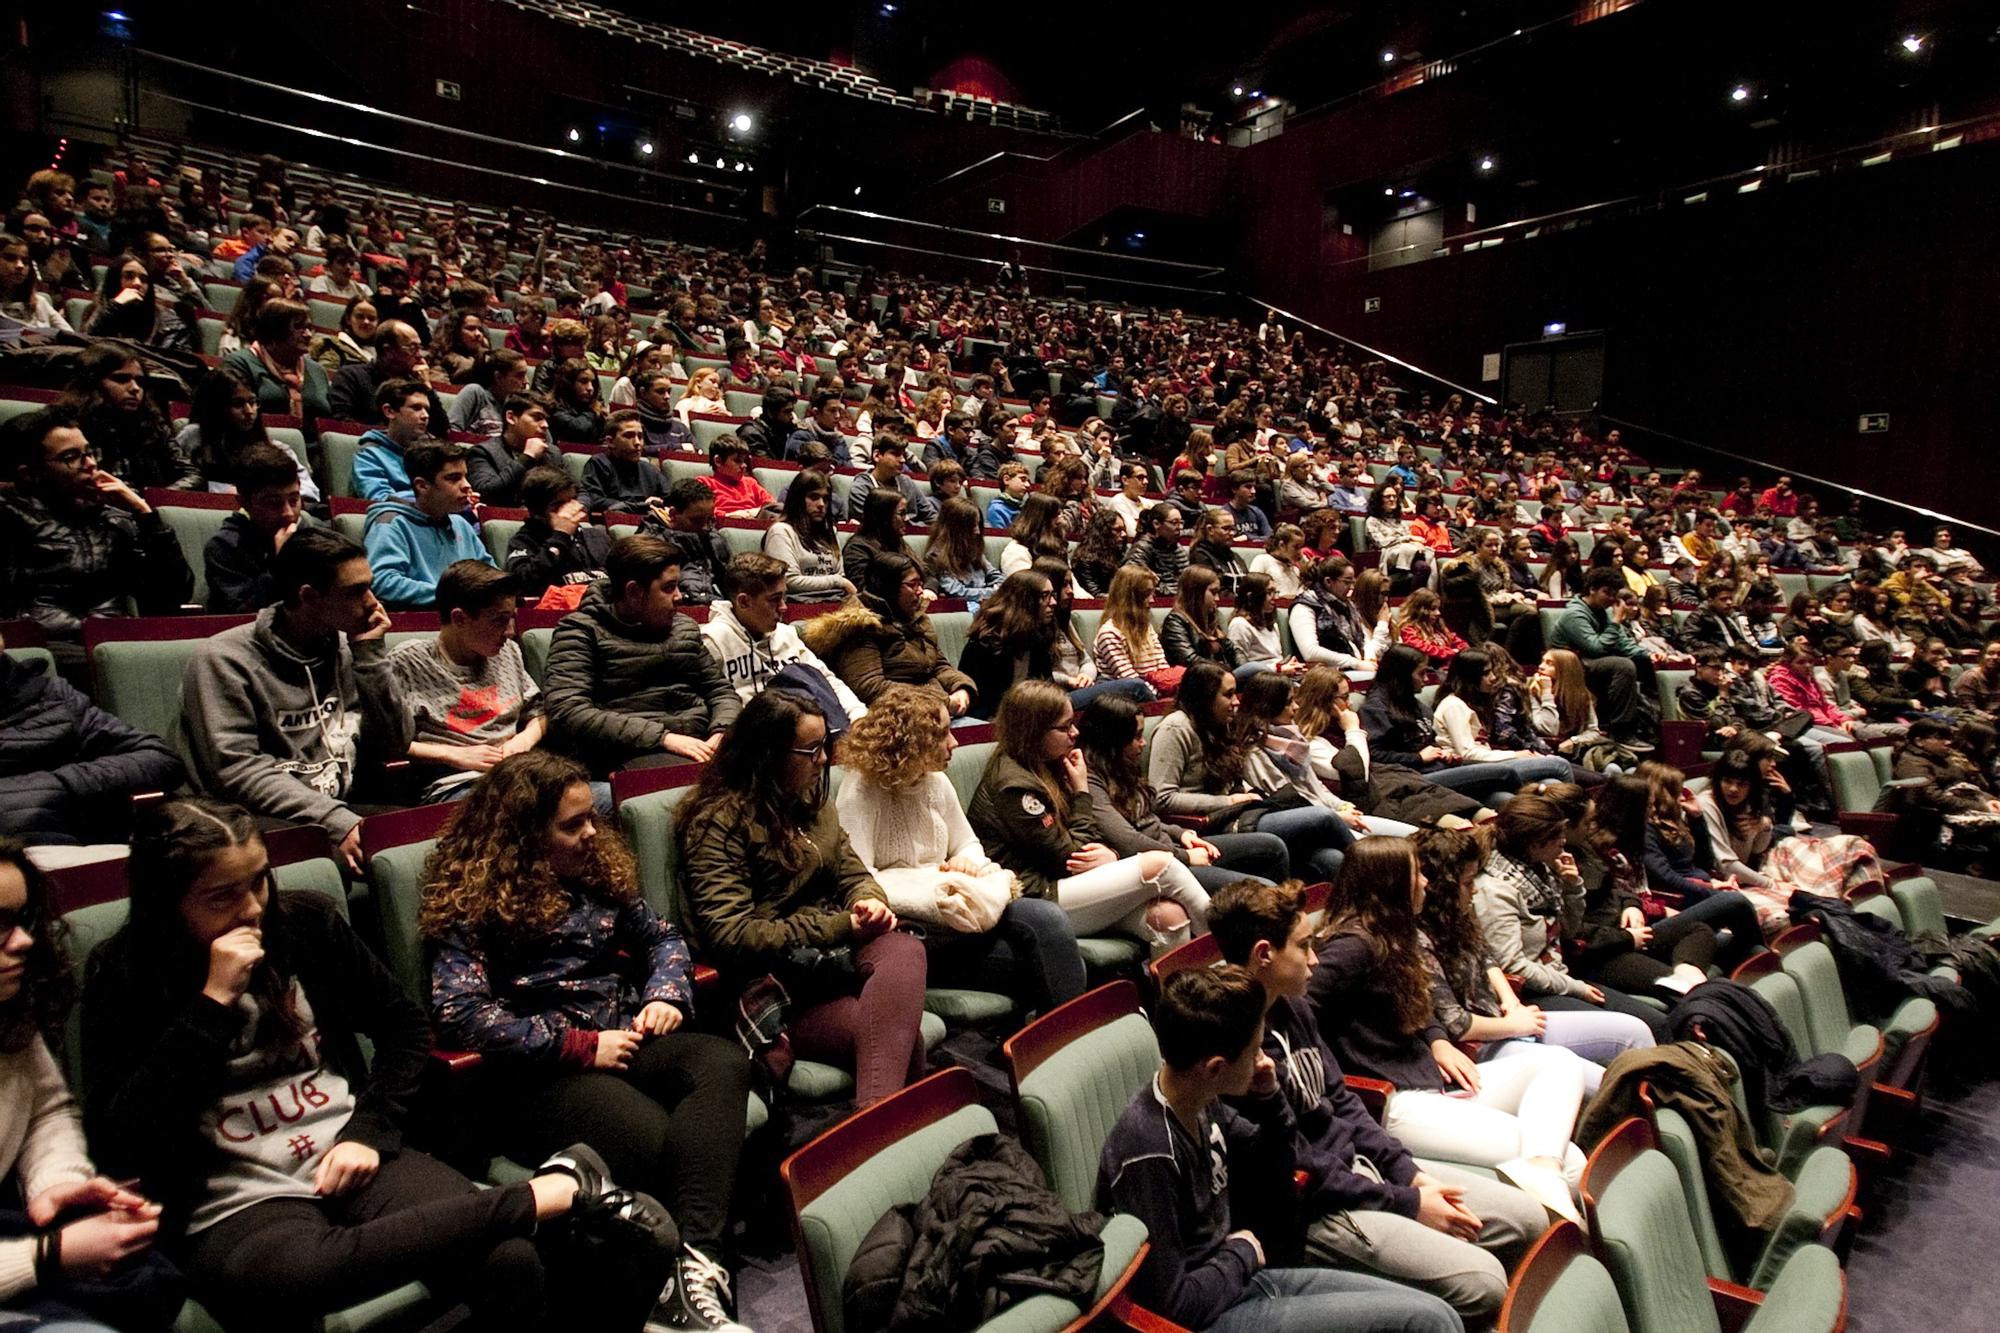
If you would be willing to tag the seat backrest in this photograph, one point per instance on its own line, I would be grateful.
(36, 659)
(1678, 1142)
(967, 766)
(337, 450)
(1561, 1288)
(140, 681)
(951, 627)
(1649, 1245)
(535, 652)
(1884, 759)
(1813, 967)
(497, 532)
(1921, 904)
(397, 876)
(1671, 681)
(1855, 784)
(1782, 992)
(192, 528)
(1095, 1053)
(648, 822)
(1884, 906)
(845, 1179)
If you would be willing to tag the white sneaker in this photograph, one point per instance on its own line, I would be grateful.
(1545, 1186)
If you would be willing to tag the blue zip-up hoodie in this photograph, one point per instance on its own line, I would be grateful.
(409, 551)
(379, 469)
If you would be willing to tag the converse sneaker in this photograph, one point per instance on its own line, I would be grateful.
(695, 1297)
(610, 1211)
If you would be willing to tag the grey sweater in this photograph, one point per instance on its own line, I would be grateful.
(281, 730)
(1175, 767)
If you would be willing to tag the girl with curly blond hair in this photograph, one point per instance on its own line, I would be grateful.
(904, 821)
(531, 908)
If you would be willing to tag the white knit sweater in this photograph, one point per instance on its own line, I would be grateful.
(41, 1139)
(922, 851)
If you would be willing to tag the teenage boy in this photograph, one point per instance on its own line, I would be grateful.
(886, 473)
(1006, 506)
(621, 477)
(1704, 697)
(1130, 502)
(237, 559)
(687, 523)
(1186, 497)
(1350, 496)
(1618, 671)
(557, 545)
(402, 407)
(411, 541)
(75, 541)
(276, 715)
(823, 425)
(472, 702)
(1367, 1203)
(736, 491)
(1179, 1157)
(749, 640)
(629, 681)
(497, 467)
(1716, 624)
(1251, 522)
(953, 442)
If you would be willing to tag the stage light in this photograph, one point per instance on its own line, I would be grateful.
(1389, 190)
(1739, 94)
(1236, 90)
(694, 159)
(575, 135)
(742, 167)
(1913, 43)
(1486, 164)
(1554, 329)
(857, 192)
(646, 148)
(1388, 57)
(740, 122)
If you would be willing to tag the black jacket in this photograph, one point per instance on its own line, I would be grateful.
(627, 487)
(497, 471)
(539, 557)
(704, 555)
(993, 670)
(350, 395)
(237, 562)
(1185, 645)
(1879, 967)
(154, 1063)
(1356, 1014)
(615, 690)
(987, 1235)
(68, 769)
(1742, 1022)
(65, 562)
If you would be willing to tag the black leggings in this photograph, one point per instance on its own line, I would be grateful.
(671, 1124)
(1677, 940)
(285, 1263)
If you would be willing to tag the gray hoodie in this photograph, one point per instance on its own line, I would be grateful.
(280, 730)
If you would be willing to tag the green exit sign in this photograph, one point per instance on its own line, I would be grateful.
(1874, 423)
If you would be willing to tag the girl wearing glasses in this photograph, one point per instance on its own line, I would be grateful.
(775, 888)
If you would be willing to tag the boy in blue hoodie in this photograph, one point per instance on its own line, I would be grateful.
(380, 469)
(1183, 1162)
(411, 542)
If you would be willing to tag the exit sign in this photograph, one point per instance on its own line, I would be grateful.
(449, 91)
(1874, 423)
(1370, 305)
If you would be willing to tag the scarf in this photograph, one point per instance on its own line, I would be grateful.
(1540, 891)
(293, 379)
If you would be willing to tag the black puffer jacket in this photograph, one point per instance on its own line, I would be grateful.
(65, 562)
(614, 690)
(989, 1234)
(704, 555)
(68, 769)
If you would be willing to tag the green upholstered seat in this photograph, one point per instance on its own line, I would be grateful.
(1650, 1248)
(140, 681)
(1791, 1136)
(1856, 786)
(1828, 1018)
(708, 430)
(1072, 1099)
(679, 468)
(38, 659)
(1671, 681)
(337, 450)
(967, 766)
(960, 1007)
(1825, 1181)
(575, 460)
(832, 1226)
(535, 652)
(1109, 954)
(497, 532)
(742, 540)
(221, 297)
(951, 627)
(354, 527)
(1562, 1288)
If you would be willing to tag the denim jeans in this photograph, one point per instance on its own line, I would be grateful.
(1260, 855)
(1318, 839)
(1475, 779)
(1136, 690)
(1032, 944)
(1327, 1300)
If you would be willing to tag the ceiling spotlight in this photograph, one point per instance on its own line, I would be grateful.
(720, 164)
(857, 192)
(742, 167)
(1407, 194)
(694, 159)
(575, 135)
(1236, 90)
(1486, 164)
(1739, 94)
(740, 122)
(1913, 43)
(646, 148)
(1389, 190)
(1388, 57)
(1256, 93)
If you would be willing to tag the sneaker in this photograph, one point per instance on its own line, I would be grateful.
(609, 1211)
(1544, 1186)
(696, 1297)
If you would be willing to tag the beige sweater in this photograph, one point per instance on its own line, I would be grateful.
(41, 1140)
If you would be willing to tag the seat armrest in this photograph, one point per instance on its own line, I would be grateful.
(457, 1063)
(1870, 824)
(1734, 1304)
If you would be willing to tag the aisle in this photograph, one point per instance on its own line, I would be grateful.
(1925, 1259)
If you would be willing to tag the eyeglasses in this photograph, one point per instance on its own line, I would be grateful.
(813, 751)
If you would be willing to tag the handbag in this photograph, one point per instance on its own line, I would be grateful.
(1166, 681)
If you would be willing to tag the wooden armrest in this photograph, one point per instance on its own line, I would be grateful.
(1373, 1092)
(1734, 1304)
(457, 1063)
(705, 977)
(1869, 824)
(1136, 1317)
(1299, 1182)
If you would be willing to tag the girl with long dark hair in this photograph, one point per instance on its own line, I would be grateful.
(956, 554)
(1041, 529)
(129, 435)
(1402, 730)
(803, 541)
(223, 1064)
(1192, 631)
(879, 531)
(1034, 809)
(774, 887)
(224, 420)
(1111, 734)
(1463, 711)
(1008, 639)
(1372, 996)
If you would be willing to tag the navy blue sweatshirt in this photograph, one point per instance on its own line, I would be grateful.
(1333, 1127)
(1179, 1184)
(1357, 1016)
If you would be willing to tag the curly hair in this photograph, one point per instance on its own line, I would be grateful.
(489, 871)
(899, 741)
(43, 1003)
(1443, 855)
(1376, 889)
